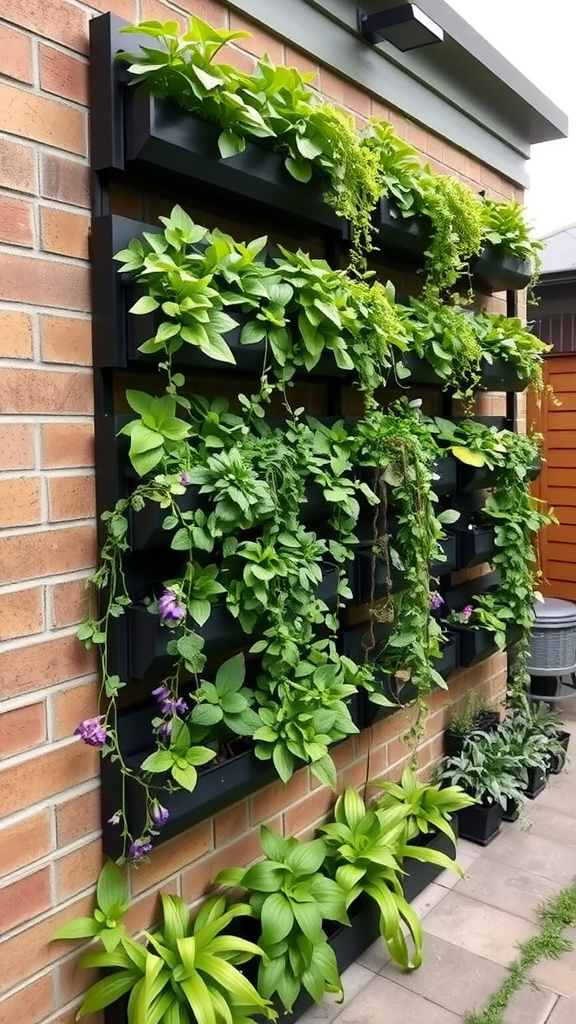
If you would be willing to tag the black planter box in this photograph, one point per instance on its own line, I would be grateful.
(421, 371)
(448, 663)
(501, 375)
(512, 811)
(478, 644)
(407, 236)
(475, 478)
(146, 529)
(475, 546)
(480, 824)
(557, 761)
(446, 470)
(500, 272)
(420, 873)
(536, 783)
(544, 686)
(370, 576)
(147, 640)
(449, 547)
(400, 693)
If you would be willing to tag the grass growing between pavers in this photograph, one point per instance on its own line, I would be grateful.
(556, 914)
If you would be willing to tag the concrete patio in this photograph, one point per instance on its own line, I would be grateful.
(472, 928)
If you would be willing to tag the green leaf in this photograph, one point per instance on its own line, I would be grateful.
(230, 144)
(282, 758)
(81, 928)
(111, 893)
(449, 516)
(299, 169)
(230, 675)
(159, 761)
(185, 777)
(190, 648)
(468, 457)
(146, 304)
(325, 771)
(107, 991)
(277, 918)
(206, 715)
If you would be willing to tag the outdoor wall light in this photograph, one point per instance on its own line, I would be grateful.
(406, 27)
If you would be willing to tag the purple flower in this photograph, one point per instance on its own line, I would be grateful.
(165, 730)
(436, 601)
(92, 731)
(139, 848)
(115, 819)
(160, 814)
(467, 611)
(184, 479)
(169, 609)
(169, 705)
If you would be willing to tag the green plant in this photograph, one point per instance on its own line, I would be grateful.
(486, 770)
(186, 972)
(367, 846)
(427, 807)
(471, 442)
(445, 337)
(457, 229)
(506, 228)
(467, 718)
(292, 898)
(507, 338)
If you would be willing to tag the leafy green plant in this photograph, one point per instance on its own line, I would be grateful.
(506, 228)
(186, 972)
(471, 442)
(445, 337)
(467, 717)
(457, 229)
(292, 898)
(486, 770)
(427, 807)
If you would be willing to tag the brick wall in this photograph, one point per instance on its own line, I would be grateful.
(49, 809)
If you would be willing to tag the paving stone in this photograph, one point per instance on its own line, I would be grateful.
(564, 1012)
(375, 957)
(481, 929)
(355, 980)
(453, 977)
(384, 1001)
(559, 975)
(548, 821)
(530, 1005)
(507, 887)
(466, 855)
(429, 898)
(534, 853)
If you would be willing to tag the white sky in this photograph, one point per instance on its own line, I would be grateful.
(540, 39)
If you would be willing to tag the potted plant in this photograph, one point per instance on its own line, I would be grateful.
(476, 714)
(510, 257)
(486, 771)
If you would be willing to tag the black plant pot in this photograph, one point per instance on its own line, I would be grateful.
(501, 375)
(420, 874)
(421, 371)
(512, 811)
(486, 721)
(370, 576)
(500, 272)
(146, 529)
(478, 644)
(475, 546)
(147, 639)
(449, 660)
(450, 548)
(536, 783)
(446, 469)
(480, 823)
(544, 686)
(407, 236)
(475, 478)
(398, 692)
(558, 761)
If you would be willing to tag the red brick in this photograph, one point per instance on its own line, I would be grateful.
(21, 613)
(16, 222)
(331, 85)
(237, 58)
(313, 807)
(72, 706)
(127, 9)
(52, 19)
(67, 181)
(66, 340)
(25, 841)
(276, 797)
(16, 50)
(44, 392)
(259, 42)
(145, 911)
(71, 497)
(20, 502)
(435, 147)
(37, 665)
(173, 856)
(22, 729)
(30, 951)
(30, 1004)
(16, 446)
(67, 444)
(15, 334)
(152, 10)
(64, 233)
(45, 282)
(78, 870)
(355, 99)
(212, 11)
(295, 59)
(232, 822)
(25, 899)
(197, 880)
(78, 817)
(52, 772)
(43, 120)
(17, 166)
(63, 75)
(70, 603)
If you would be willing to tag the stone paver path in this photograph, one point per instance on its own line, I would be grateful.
(472, 927)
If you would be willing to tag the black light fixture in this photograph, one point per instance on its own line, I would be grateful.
(406, 27)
